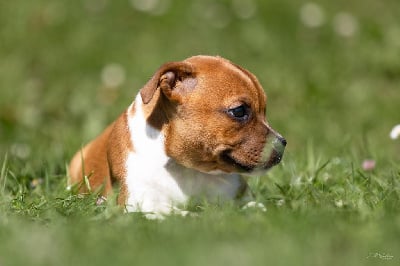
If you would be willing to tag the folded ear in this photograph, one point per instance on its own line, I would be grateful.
(165, 79)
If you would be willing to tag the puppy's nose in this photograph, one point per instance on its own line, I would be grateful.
(279, 140)
(283, 141)
(279, 144)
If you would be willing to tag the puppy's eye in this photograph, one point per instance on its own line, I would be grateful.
(240, 113)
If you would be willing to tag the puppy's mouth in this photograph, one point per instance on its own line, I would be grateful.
(274, 158)
(228, 158)
(273, 152)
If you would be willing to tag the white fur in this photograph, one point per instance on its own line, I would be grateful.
(156, 183)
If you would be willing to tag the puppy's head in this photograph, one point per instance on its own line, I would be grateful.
(212, 115)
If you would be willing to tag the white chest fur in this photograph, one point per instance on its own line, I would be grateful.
(156, 183)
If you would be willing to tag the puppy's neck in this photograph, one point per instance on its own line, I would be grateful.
(148, 140)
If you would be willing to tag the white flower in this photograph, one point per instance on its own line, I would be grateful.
(255, 205)
(280, 202)
(395, 133)
(339, 203)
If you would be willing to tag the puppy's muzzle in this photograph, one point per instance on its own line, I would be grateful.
(273, 150)
(277, 151)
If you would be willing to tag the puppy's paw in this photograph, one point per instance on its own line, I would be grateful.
(255, 206)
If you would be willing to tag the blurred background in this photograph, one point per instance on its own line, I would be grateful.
(331, 69)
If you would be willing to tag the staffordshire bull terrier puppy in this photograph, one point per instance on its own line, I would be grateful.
(192, 131)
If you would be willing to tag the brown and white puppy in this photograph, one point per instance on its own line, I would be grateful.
(191, 132)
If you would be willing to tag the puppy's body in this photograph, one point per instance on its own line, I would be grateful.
(192, 129)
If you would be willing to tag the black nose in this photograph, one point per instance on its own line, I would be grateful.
(283, 141)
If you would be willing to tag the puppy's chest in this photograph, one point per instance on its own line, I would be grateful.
(167, 184)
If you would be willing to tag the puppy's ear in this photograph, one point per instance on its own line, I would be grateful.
(166, 79)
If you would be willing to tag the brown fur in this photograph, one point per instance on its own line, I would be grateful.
(188, 138)
(103, 159)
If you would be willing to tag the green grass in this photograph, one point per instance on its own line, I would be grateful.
(334, 98)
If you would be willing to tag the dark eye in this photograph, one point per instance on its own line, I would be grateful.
(240, 113)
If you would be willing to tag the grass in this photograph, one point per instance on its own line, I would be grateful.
(334, 97)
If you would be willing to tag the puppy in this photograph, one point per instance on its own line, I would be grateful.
(193, 129)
